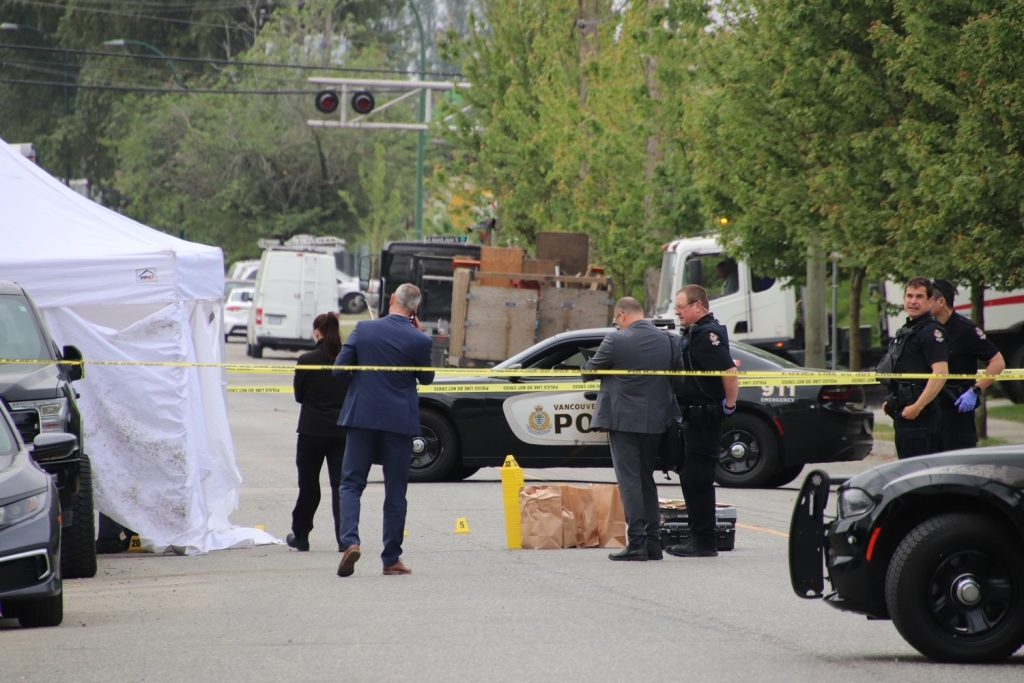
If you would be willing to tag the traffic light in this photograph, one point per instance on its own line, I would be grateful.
(327, 101)
(363, 102)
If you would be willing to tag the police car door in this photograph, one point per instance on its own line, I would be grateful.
(554, 425)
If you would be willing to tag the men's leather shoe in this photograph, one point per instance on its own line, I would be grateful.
(397, 569)
(628, 554)
(654, 551)
(348, 560)
(300, 543)
(690, 549)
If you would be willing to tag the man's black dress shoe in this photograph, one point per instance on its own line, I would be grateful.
(628, 554)
(691, 549)
(300, 543)
(654, 551)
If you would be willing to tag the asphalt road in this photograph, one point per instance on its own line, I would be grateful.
(471, 611)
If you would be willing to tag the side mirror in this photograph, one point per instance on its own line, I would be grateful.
(54, 446)
(74, 372)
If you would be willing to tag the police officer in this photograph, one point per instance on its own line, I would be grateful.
(918, 348)
(703, 401)
(967, 346)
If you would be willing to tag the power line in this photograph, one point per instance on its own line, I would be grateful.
(152, 89)
(98, 10)
(210, 61)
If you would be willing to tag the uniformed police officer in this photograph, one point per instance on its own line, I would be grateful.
(967, 346)
(703, 401)
(919, 347)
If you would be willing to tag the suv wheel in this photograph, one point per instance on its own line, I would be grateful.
(78, 541)
(955, 589)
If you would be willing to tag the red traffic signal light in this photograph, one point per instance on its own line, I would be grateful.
(327, 101)
(363, 102)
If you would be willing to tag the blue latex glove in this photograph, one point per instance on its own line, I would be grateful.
(967, 402)
(727, 411)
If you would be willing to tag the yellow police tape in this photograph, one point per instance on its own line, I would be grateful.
(747, 378)
(516, 387)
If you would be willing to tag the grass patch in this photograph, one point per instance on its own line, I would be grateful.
(1014, 413)
(884, 432)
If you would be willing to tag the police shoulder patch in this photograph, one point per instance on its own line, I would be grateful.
(938, 336)
(713, 338)
(980, 332)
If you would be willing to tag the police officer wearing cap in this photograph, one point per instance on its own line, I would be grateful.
(968, 345)
(704, 402)
(919, 347)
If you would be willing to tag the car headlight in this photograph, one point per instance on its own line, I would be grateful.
(853, 502)
(53, 413)
(20, 510)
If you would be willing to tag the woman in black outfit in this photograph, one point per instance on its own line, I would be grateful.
(321, 394)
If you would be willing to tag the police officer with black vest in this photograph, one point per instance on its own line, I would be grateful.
(968, 345)
(704, 402)
(918, 348)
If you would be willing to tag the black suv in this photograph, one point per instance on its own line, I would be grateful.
(935, 543)
(40, 398)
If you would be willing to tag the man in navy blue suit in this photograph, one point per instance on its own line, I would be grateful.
(381, 413)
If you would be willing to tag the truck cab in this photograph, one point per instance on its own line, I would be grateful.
(755, 309)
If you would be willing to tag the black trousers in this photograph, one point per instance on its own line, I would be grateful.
(702, 435)
(633, 458)
(958, 429)
(310, 453)
(920, 436)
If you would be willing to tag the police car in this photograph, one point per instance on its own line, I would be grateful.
(473, 422)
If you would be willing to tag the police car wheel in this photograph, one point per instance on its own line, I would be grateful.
(750, 453)
(439, 456)
(954, 589)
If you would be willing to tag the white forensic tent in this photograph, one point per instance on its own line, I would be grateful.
(148, 306)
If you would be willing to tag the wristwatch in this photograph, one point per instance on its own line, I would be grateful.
(976, 389)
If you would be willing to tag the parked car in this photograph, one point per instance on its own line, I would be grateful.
(40, 397)
(935, 543)
(236, 311)
(775, 431)
(30, 575)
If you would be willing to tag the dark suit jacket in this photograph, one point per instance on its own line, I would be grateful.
(386, 400)
(321, 394)
(635, 403)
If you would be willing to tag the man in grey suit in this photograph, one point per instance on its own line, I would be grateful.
(636, 410)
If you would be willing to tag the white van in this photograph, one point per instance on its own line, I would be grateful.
(292, 288)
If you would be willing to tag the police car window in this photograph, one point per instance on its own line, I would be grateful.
(570, 356)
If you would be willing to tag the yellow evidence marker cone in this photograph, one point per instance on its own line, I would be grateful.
(512, 482)
(462, 525)
(135, 545)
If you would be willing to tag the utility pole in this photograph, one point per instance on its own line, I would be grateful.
(421, 142)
